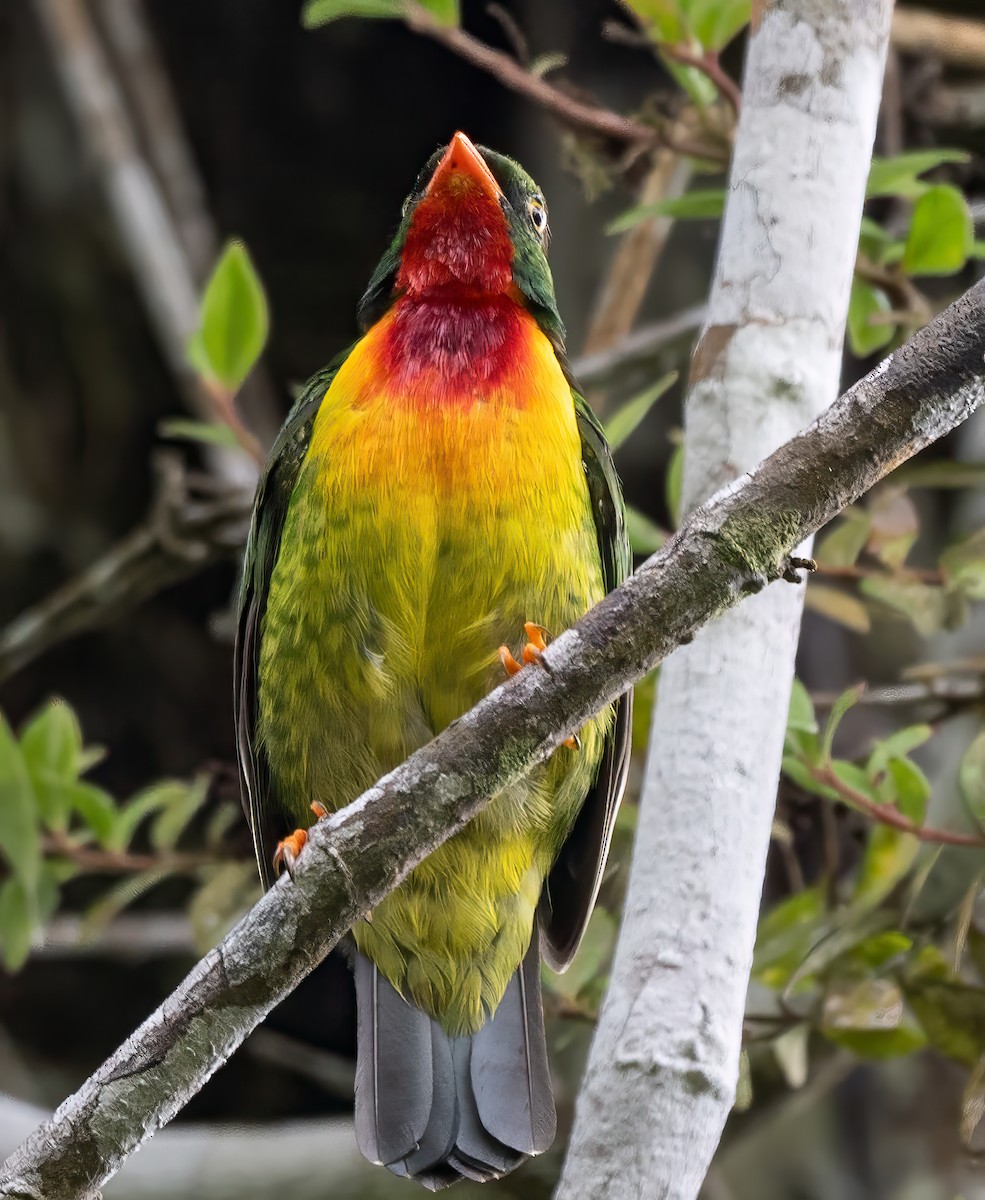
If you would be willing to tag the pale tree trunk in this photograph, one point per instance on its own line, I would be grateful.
(662, 1071)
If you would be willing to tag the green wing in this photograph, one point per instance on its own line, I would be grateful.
(262, 547)
(573, 884)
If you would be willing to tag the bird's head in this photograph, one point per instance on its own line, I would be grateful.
(475, 225)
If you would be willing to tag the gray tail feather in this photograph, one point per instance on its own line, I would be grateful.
(437, 1108)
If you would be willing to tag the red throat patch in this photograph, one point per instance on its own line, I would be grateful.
(458, 324)
(458, 239)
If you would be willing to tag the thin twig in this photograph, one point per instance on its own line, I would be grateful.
(588, 118)
(639, 347)
(889, 814)
(954, 692)
(928, 575)
(92, 860)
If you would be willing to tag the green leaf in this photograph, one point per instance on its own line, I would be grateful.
(625, 419)
(445, 12)
(96, 807)
(845, 701)
(695, 84)
(799, 771)
(843, 543)
(841, 607)
(907, 787)
(852, 927)
(874, 952)
(16, 924)
(52, 740)
(971, 780)
(716, 22)
(673, 482)
(53, 875)
(51, 743)
(866, 335)
(897, 745)
(645, 536)
(941, 233)
(320, 12)
(953, 1017)
(181, 429)
(174, 818)
(929, 608)
(800, 715)
(663, 19)
(234, 320)
(696, 205)
(898, 176)
(20, 834)
(964, 565)
(889, 855)
(869, 1017)
(786, 934)
(153, 799)
(855, 778)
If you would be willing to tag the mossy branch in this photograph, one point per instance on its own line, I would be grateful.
(735, 544)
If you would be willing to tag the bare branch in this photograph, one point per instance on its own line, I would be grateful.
(889, 814)
(729, 548)
(586, 118)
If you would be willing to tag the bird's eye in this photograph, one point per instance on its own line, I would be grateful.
(537, 210)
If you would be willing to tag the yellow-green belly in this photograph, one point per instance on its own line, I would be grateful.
(419, 539)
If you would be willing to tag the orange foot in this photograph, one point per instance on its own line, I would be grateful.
(532, 653)
(286, 854)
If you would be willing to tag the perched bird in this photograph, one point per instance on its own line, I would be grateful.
(439, 498)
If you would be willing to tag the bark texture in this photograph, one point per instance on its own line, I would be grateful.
(731, 547)
(661, 1076)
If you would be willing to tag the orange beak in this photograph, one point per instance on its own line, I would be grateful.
(462, 158)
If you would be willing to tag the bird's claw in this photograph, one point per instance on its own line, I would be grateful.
(288, 850)
(533, 652)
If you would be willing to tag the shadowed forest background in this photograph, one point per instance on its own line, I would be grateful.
(303, 144)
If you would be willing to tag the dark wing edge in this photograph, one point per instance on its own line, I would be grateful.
(572, 887)
(270, 506)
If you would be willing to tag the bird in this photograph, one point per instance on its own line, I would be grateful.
(440, 501)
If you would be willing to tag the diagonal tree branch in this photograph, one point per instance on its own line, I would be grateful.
(729, 548)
